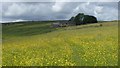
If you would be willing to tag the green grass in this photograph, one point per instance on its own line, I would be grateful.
(38, 44)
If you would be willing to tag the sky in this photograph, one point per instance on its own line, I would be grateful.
(37, 10)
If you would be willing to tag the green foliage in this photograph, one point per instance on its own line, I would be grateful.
(71, 20)
(83, 19)
(78, 18)
(89, 19)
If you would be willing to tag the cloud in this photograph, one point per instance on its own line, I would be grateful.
(57, 10)
(18, 20)
(98, 10)
(15, 10)
(0, 11)
(27, 10)
(60, 0)
(105, 13)
(58, 6)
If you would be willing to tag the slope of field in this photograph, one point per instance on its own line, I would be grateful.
(38, 44)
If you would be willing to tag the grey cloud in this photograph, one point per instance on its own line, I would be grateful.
(57, 10)
(60, 0)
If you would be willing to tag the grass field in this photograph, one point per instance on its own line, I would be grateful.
(38, 44)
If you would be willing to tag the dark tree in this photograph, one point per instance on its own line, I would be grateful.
(82, 19)
(89, 19)
(72, 19)
(78, 19)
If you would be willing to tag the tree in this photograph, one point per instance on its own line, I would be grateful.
(78, 18)
(82, 19)
(71, 20)
(89, 19)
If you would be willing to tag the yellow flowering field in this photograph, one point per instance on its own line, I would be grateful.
(38, 44)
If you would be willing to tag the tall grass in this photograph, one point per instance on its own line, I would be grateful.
(41, 45)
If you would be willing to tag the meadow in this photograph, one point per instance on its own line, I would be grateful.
(38, 44)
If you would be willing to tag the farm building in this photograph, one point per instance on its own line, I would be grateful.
(60, 24)
(57, 24)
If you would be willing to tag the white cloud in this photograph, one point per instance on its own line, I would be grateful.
(19, 20)
(0, 12)
(21, 9)
(57, 7)
(10, 20)
(98, 10)
(28, 0)
(15, 10)
(105, 13)
(81, 8)
(60, 0)
(58, 10)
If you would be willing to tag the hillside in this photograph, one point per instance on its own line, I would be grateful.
(38, 44)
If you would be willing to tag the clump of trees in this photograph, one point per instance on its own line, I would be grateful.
(82, 19)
